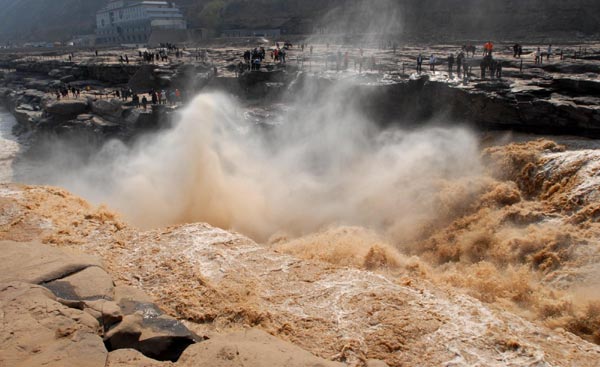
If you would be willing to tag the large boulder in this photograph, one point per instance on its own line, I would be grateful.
(111, 108)
(26, 115)
(67, 108)
(250, 348)
(32, 96)
(39, 331)
(146, 328)
(154, 334)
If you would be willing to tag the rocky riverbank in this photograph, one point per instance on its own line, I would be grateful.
(560, 96)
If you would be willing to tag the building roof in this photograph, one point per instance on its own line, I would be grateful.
(132, 3)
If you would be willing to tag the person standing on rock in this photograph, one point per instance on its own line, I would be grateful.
(488, 48)
(459, 62)
(493, 69)
(419, 63)
(154, 97)
(432, 62)
(126, 59)
(450, 65)
(145, 102)
(482, 66)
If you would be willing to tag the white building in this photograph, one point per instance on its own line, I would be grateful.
(134, 21)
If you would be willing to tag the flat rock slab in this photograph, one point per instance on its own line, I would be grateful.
(250, 348)
(67, 107)
(92, 283)
(37, 263)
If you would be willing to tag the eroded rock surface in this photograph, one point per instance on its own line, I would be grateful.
(70, 318)
(250, 348)
(39, 331)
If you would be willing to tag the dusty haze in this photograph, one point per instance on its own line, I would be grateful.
(326, 164)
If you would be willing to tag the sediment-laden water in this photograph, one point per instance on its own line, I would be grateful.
(510, 220)
(9, 146)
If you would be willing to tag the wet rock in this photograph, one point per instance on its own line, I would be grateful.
(250, 348)
(157, 336)
(92, 283)
(43, 332)
(146, 328)
(37, 263)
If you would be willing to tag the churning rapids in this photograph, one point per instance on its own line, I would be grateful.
(509, 220)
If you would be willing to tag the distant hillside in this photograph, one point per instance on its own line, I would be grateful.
(46, 19)
(423, 19)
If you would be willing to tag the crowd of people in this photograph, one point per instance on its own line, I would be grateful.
(253, 59)
(156, 97)
(65, 91)
(489, 65)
